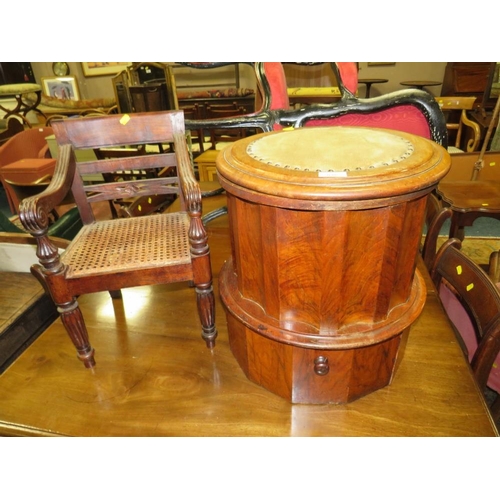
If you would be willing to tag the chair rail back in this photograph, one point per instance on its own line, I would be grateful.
(479, 296)
(114, 131)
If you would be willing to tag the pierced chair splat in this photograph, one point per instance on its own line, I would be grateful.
(108, 255)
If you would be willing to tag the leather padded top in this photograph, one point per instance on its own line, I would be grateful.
(326, 150)
(331, 164)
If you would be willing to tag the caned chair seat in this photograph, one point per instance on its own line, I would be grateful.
(119, 245)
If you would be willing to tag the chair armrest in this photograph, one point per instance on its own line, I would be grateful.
(474, 142)
(189, 185)
(34, 211)
(44, 152)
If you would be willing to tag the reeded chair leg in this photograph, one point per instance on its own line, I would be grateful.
(72, 319)
(206, 309)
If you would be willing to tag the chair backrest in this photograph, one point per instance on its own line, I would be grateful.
(450, 105)
(30, 143)
(271, 88)
(454, 272)
(435, 216)
(129, 131)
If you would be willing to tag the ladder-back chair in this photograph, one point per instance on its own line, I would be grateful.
(451, 105)
(108, 255)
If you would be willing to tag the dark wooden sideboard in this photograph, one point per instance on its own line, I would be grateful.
(469, 79)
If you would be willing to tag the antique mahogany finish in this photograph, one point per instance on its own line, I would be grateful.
(151, 380)
(108, 255)
(481, 299)
(321, 288)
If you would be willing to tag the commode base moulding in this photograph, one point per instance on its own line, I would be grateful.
(311, 369)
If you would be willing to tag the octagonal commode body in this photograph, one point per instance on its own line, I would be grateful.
(325, 225)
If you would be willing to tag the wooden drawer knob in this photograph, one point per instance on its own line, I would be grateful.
(321, 365)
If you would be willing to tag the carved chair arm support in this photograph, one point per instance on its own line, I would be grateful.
(191, 193)
(189, 185)
(473, 143)
(34, 211)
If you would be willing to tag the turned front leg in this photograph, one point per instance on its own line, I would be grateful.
(72, 319)
(206, 309)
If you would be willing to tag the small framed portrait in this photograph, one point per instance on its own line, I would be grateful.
(61, 87)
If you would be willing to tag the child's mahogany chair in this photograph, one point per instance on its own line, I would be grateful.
(107, 255)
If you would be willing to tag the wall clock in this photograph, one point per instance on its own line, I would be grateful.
(60, 68)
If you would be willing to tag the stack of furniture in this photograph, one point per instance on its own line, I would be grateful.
(472, 302)
(215, 93)
(165, 80)
(471, 299)
(475, 197)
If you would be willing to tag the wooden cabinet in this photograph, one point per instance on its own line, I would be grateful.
(468, 79)
(321, 287)
(16, 72)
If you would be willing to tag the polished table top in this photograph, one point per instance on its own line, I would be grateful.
(468, 201)
(155, 377)
(420, 83)
(369, 82)
(471, 196)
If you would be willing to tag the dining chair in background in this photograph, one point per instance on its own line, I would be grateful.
(25, 157)
(450, 105)
(472, 302)
(435, 216)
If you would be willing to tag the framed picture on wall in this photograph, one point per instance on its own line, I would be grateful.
(103, 68)
(62, 87)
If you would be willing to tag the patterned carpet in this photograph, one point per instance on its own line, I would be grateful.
(478, 249)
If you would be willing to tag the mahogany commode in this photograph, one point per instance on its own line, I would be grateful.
(321, 287)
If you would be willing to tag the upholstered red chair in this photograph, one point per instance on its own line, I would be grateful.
(409, 110)
(25, 157)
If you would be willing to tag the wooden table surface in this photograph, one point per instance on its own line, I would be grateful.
(419, 84)
(155, 377)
